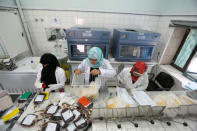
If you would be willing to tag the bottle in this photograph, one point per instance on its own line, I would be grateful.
(33, 65)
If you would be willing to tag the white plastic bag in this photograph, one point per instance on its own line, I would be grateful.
(185, 100)
(142, 98)
(123, 94)
(169, 100)
(91, 92)
(116, 102)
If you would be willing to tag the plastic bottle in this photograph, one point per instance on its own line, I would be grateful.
(33, 65)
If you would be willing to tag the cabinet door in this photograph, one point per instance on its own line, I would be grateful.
(12, 34)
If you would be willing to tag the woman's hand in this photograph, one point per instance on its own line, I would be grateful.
(78, 72)
(95, 72)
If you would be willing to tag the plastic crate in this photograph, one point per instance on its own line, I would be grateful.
(78, 82)
(139, 111)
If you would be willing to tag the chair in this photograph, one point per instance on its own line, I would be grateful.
(162, 82)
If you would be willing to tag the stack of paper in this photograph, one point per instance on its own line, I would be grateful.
(142, 98)
(191, 86)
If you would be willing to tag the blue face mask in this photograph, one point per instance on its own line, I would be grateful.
(95, 53)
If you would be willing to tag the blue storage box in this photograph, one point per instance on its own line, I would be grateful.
(81, 39)
(134, 45)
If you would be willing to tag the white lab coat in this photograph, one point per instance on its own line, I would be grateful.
(107, 71)
(125, 78)
(59, 75)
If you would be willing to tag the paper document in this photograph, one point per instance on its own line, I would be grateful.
(123, 94)
(142, 98)
(29, 119)
(191, 86)
(51, 127)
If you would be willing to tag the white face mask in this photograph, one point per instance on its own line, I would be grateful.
(137, 74)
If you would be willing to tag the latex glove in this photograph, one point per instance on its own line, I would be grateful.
(78, 72)
(95, 72)
(53, 87)
(38, 85)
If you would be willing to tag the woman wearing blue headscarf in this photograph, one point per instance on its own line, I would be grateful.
(95, 65)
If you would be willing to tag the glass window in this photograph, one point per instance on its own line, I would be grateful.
(81, 50)
(136, 51)
(191, 71)
(187, 49)
(193, 64)
(186, 52)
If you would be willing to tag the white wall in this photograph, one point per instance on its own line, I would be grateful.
(11, 31)
(178, 7)
(67, 19)
(172, 45)
(153, 15)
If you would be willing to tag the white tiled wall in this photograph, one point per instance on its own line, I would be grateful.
(173, 45)
(167, 33)
(67, 19)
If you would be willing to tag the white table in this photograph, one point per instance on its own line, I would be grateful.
(111, 125)
(21, 79)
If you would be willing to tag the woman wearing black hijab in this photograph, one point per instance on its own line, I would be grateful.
(50, 76)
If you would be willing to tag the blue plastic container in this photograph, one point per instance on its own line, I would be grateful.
(134, 45)
(81, 39)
